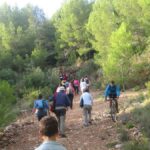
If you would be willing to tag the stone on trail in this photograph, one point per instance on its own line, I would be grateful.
(118, 146)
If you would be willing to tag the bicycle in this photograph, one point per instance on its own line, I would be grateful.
(113, 110)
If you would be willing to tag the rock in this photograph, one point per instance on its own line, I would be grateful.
(106, 115)
(5, 139)
(103, 138)
(118, 146)
(124, 119)
(1, 135)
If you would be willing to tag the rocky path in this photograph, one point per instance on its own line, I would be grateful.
(99, 136)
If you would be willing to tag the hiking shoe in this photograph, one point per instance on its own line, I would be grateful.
(85, 125)
(90, 122)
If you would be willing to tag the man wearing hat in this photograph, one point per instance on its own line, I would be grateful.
(61, 106)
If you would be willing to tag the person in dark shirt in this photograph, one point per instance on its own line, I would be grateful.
(61, 105)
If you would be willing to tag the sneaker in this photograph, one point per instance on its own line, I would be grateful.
(117, 110)
(85, 125)
(90, 122)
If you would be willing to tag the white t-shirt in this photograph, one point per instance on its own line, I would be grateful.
(83, 85)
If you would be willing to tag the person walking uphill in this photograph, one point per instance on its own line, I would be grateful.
(61, 105)
(41, 107)
(48, 130)
(86, 102)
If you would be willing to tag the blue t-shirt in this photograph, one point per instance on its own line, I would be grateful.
(41, 104)
(50, 145)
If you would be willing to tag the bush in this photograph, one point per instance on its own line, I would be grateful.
(7, 103)
(35, 78)
(32, 94)
(124, 136)
(142, 144)
(29, 97)
(141, 116)
(88, 69)
(9, 75)
(53, 78)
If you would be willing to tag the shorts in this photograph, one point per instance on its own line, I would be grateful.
(112, 95)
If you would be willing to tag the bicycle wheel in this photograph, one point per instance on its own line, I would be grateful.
(113, 111)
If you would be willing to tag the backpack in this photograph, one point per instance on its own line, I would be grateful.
(87, 81)
(112, 90)
(41, 104)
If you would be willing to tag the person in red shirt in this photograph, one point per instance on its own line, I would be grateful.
(76, 85)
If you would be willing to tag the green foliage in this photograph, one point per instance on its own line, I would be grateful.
(53, 78)
(141, 116)
(112, 144)
(120, 33)
(70, 22)
(38, 57)
(88, 69)
(116, 67)
(142, 144)
(129, 125)
(35, 78)
(7, 104)
(8, 75)
(31, 94)
(124, 136)
(29, 97)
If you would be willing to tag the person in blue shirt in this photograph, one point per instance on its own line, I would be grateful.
(113, 92)
(48, 130)
(41, 107)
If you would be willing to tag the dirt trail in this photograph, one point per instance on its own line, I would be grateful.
(95, 137)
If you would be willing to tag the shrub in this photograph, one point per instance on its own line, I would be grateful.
(29, 97)
(124, 136)
(89, 68)
(35, 78)
(7, 103)
(9, 75)
(129, 125)
(53, 78)
(142, 144)
(32, 94)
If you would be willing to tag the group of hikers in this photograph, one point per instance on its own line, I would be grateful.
(51, 127)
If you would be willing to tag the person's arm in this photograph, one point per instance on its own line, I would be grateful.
(118, 91)
(106, 92)
(34, 107)
(91, 98)
(47, 107)
(67, 101)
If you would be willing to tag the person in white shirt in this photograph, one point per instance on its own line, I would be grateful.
(83, 85)
(87, 101)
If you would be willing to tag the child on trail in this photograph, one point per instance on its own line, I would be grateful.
(86, 102)
(48, 130)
